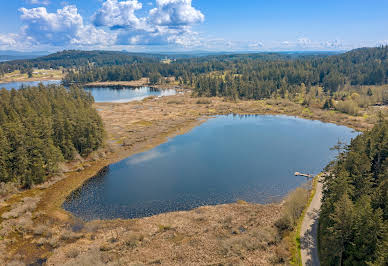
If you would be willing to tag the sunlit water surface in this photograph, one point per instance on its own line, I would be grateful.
(127, 94)
(103, 94)
(18, 85)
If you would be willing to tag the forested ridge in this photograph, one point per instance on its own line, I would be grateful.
(254, 76)
(353, 228)
(76, 58)
(248, 76)
(42, 126)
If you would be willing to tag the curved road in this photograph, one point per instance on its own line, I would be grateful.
(309, 230)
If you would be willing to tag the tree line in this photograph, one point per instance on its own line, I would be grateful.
(74, 58)
(43, 126)
(253, 76)
(353, 225)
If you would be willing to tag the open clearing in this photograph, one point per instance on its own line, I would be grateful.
(37, 75)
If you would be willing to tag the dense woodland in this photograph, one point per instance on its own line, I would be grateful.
(345, 82)
(354, 214)
(43, 126)
(247, 76)
(75, 59)
(255, 76)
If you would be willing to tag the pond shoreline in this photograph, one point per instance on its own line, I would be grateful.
(266, 177)
(121, 150)
(136, 127)
(76, 178)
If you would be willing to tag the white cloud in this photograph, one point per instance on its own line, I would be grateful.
(117, 14)
(169, 23)
(64, 27)
(304, 42)
(308, 44)
(7, 40)
(383, 42)
(255, 45)
(38, 2)
(114, 23)
(175, 13)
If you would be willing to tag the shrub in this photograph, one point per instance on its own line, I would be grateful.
(204, 101)
(7, 189)
(72, 253)
(28, 204)
(176, 101)
(347, 107)
(90, 258)
(294, 205)
(41, 229)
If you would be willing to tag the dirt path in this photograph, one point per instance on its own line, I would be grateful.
(309, 230)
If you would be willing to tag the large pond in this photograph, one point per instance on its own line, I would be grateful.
(18, 85)
(116, 94)
(127, 94)
(227, 158)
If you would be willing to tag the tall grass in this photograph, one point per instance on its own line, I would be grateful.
(289, 225)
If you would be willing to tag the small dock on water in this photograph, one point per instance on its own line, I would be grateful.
(305, 175)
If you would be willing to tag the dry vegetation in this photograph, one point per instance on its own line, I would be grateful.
(165, 83)
(37, 75)
(34, 227)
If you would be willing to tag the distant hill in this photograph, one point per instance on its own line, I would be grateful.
(77, 58)
(9, 55)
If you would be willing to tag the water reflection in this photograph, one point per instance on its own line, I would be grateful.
(117, 94)
(127, 94)
(18, 85)
(252, 158)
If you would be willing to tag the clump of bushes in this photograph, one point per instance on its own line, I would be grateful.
(294, 205)
(203, 101)
(348, 107)
(7, 189)
(260, 238)
(28, 204)
(176, 101)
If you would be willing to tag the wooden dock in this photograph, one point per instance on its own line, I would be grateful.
(305, 175)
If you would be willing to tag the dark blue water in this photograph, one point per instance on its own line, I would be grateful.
(227, 158)
(126, 94)
(18, 85)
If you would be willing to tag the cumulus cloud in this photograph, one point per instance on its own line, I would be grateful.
(157, 36)
(169, 23)
(117, 14)
(175, 13)
(114, 23)
(64, 27)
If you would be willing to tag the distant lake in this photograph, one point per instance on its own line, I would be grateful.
(119, 95)
(18, 85)
(252, 158)
(127, 94)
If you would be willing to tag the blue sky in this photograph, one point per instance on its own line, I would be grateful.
(184, 25)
